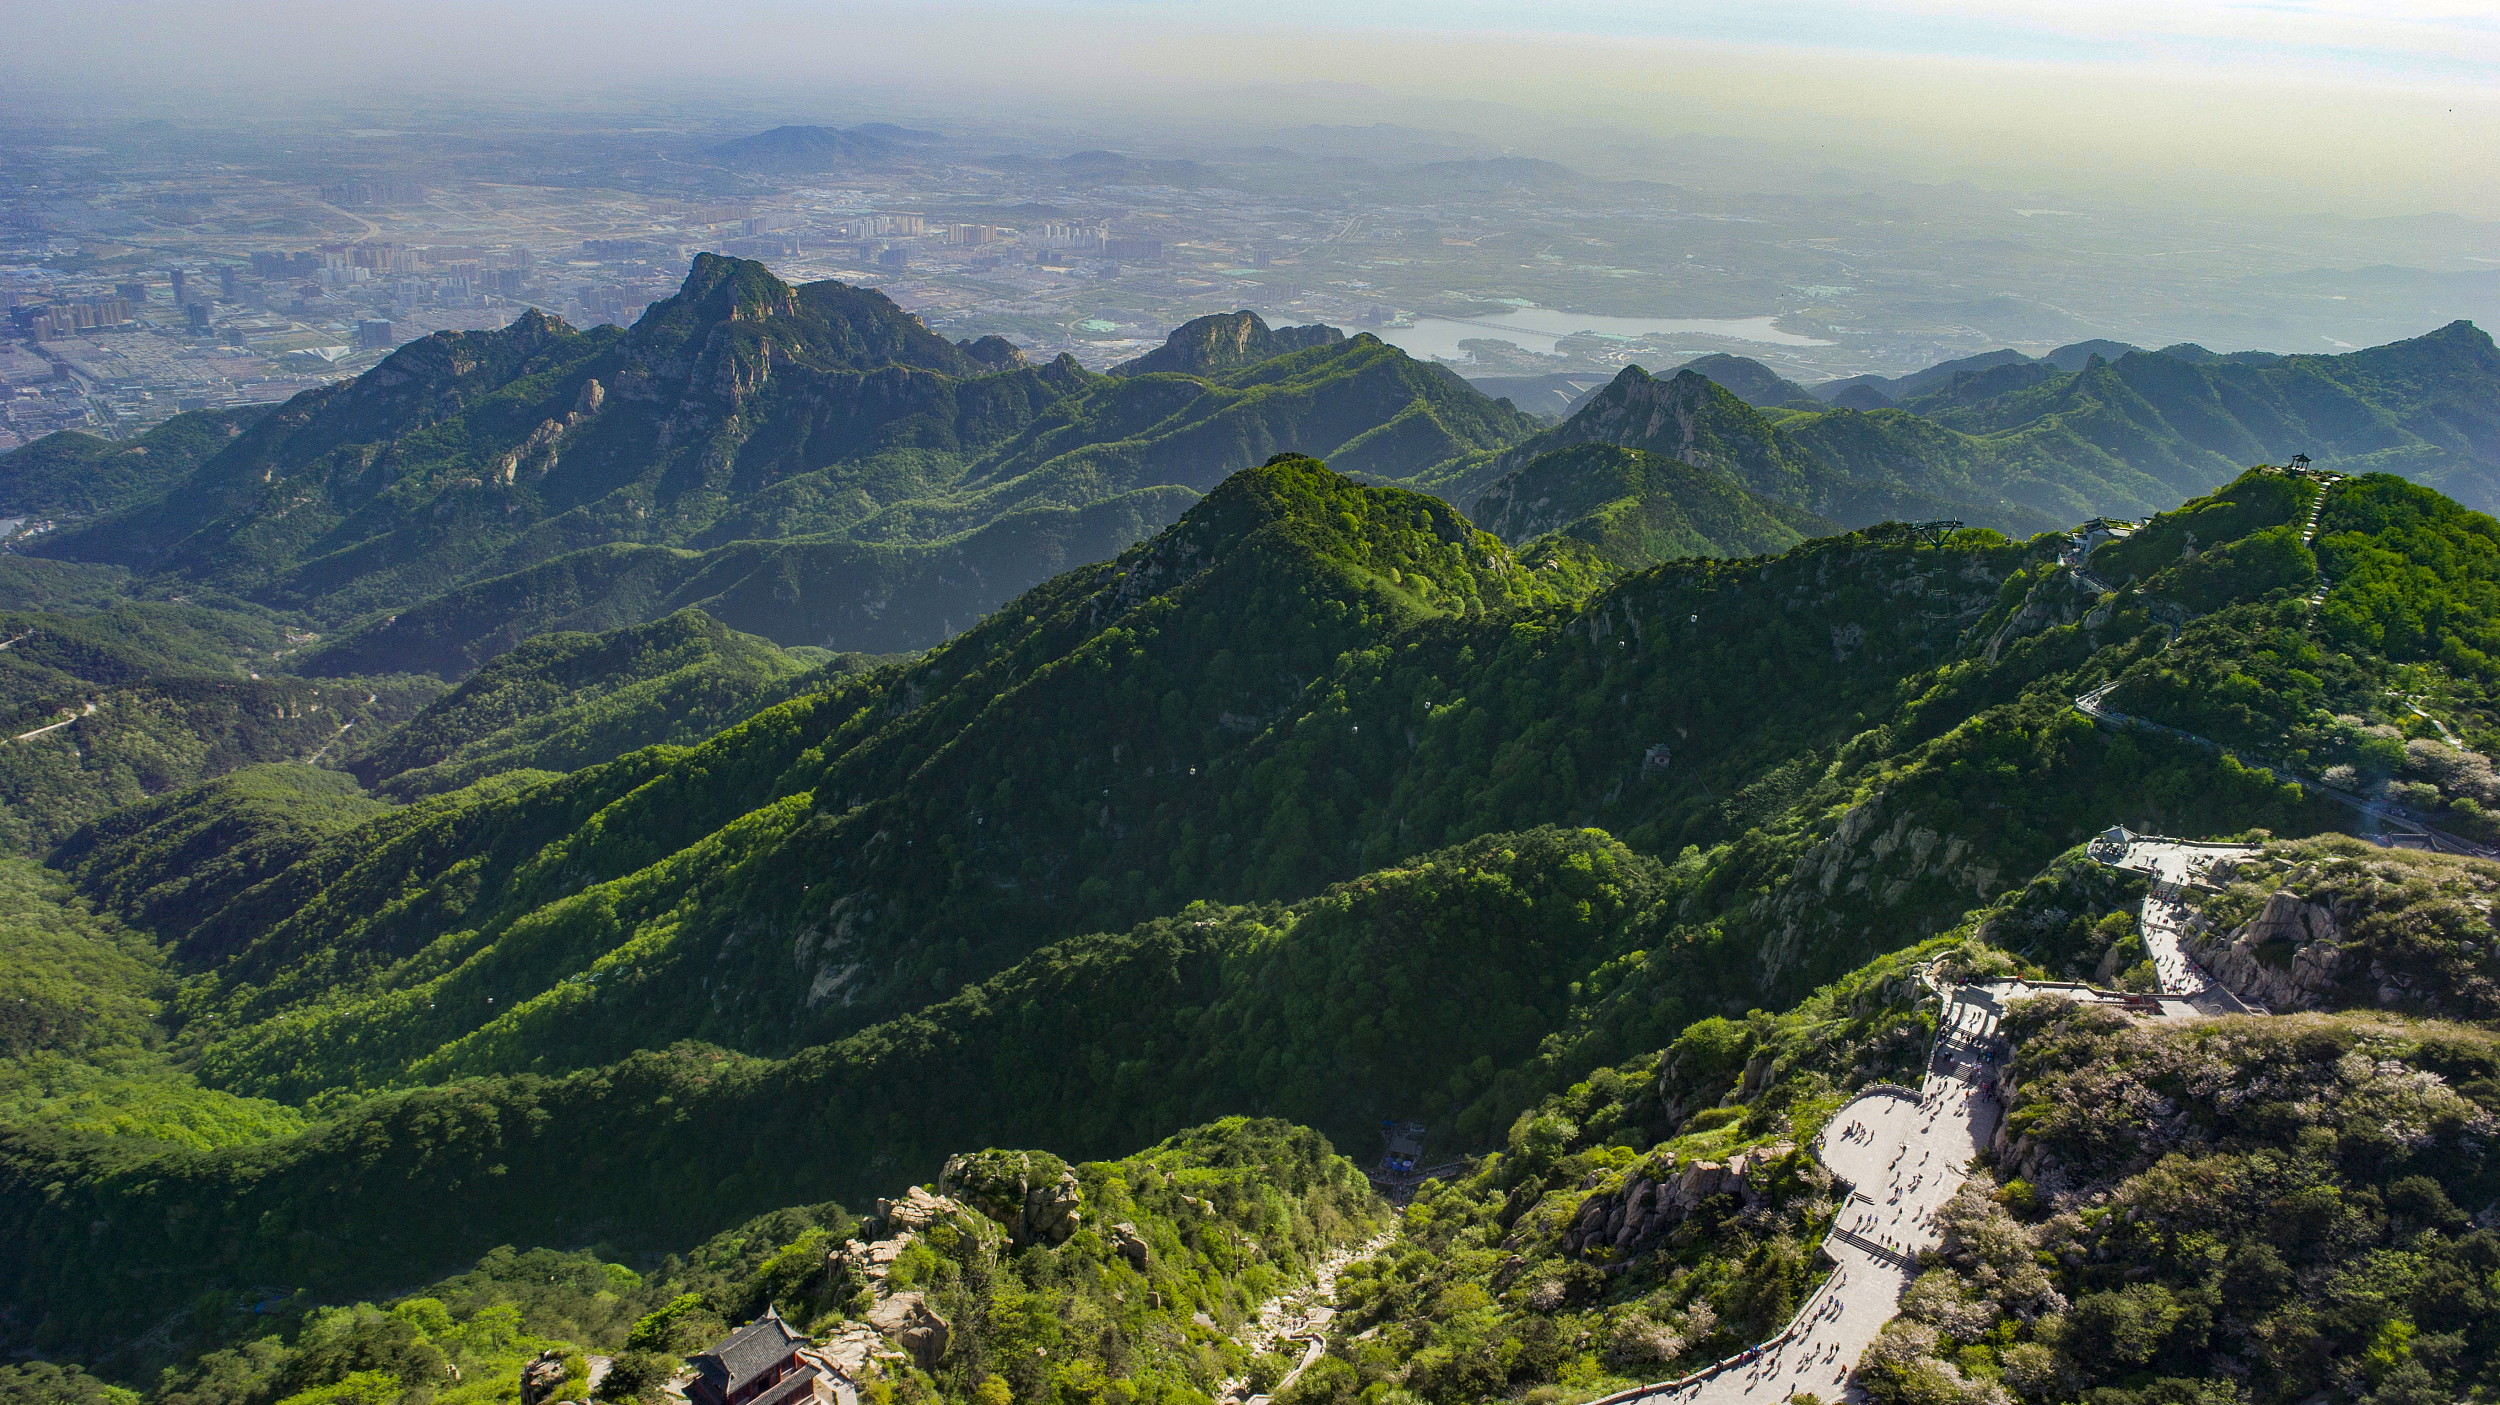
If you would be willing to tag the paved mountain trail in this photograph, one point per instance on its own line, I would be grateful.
(1301, 1314)
(1905, 1153)
(39, 731)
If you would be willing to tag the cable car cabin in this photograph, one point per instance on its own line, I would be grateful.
(759, 1364)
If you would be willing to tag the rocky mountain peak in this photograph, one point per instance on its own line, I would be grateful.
(1225, 341)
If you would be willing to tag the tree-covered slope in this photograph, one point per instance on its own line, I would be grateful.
(105, 708)
(1222, 342)
(1752, 382)
(1361, 404)
(71, 474)
(1635, 509)
(562, 701)
(950, 901)
(1691, 419)
(1274, 694)
(2254, 1207)
(82, 1045)
(770, 439)
(823, 591)
(2127, 436)
(1151, 1284)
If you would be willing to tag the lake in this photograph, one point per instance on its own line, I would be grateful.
(1540, 328)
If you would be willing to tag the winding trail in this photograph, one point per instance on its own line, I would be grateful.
(2400, 823)
(1299, 1314)
(1903, 1153)
(39, 731)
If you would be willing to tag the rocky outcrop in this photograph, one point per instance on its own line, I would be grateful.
(1658, 1198)
(2061, 599)
(1132, 1246)
(541, 1375)
(1032, 1193)
(1225, 341)
(852, 1348)
(913, 1325)
(864, 1265)
(1686, 418)
(916, 1211)
(2286, 957)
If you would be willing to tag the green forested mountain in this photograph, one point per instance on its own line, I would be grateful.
(810, 464)
(104, 708)
(2130, 436)
(2023, 445)
(1303, 680)
(1202, 806)
(1691, 419)
(563, 701)
(1635, 509)
(1752, 382)
(825, 591)
(1225, 341)
(74, 474)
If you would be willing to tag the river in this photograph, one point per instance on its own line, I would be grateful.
(1541, 328)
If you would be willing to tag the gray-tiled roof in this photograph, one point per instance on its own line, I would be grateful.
(748, 1352)
(795, 1386)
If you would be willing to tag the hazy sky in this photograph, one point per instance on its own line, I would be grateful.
(2389, 106)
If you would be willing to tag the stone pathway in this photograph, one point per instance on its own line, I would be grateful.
(1299, 1314)
(1904, 1154)
(2175, 865)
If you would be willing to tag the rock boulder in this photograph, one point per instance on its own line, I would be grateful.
(541, 1375)
(1032, 1193)
(914, 1325)
(1132, 1246)
(2286, 957)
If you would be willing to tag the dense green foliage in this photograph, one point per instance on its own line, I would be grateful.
(106, 708)
(72, 474)
(563, 701)
(2292, 1214)
(2132, 435)
(169, 863)
(81, 1053)
(460, 937)
(1691, 419)
(2403, 930)
(1230, 1213)
(1485, 1293)
(1634, 509)
(1321, 804)
(116, 746)
(811, 464)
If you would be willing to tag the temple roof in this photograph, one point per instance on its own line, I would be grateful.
(797, 1384)
(748, 1352)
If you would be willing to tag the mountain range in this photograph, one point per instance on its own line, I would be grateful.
(814, 466)
(574, 842)
(2104, 428)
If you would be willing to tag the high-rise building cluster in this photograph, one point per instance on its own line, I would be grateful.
(40, 322)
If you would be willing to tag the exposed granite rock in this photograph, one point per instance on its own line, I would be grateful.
(2060, 599)
(1132, 1246)
(916, 1211)
(852, 1348)
(1032, 1193)
(2309, 931)
(915, 1326)
(1657, 1197)
(541, 1376)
